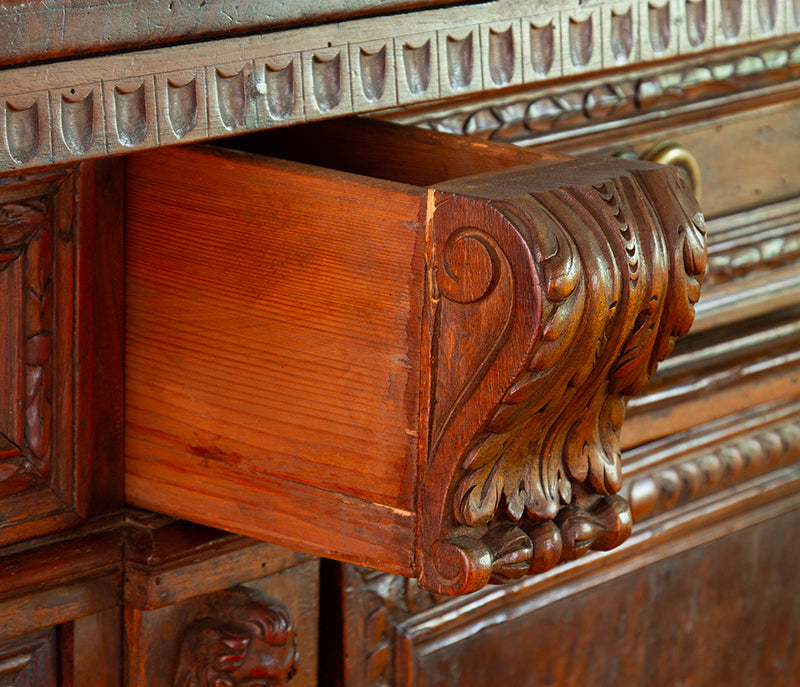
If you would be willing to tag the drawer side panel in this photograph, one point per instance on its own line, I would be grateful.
(273, 338)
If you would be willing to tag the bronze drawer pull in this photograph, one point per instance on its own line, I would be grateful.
(671, 153)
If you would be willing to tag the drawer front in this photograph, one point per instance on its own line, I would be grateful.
(746, 156)
(687, 618)
(350, 364)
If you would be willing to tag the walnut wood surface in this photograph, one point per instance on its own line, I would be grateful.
(91, 650)
(240, 636)
(30, 660)
(155, 636)
(693, 619)
(715, 374)
(77, 109)
(551, 302)
(703, 592)
(664, 608)
(168, 561)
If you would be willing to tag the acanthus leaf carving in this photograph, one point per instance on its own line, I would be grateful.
(575, 284)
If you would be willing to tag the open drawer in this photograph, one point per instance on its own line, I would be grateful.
(413, 356)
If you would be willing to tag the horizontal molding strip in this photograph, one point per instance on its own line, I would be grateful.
(559, 111)
(712, 458)
(112, 104)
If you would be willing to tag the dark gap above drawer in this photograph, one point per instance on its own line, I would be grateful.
(358, 146)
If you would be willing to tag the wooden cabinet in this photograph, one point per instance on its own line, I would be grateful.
(253, 388)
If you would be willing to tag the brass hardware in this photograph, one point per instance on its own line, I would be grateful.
(671, 153)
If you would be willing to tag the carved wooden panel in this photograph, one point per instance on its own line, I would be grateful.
(241, 637)
(38, 455)
(30, 660)
(263, 631)
(715, 511)
(60, 340)
(724, 611)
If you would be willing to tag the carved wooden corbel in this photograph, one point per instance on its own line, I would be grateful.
(552, 295)
(242, 637)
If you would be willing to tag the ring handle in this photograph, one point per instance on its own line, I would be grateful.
(671, 153)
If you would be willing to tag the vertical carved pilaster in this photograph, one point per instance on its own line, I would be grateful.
(376, 607)
(552, 296)
(241, 637)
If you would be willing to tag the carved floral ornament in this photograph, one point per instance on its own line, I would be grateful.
(242, 638)
(547, 307)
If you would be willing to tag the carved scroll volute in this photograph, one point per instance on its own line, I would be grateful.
(553, 292)
(242, 637)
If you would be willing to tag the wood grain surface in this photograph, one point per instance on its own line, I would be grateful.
(713, 613)
(303, 340)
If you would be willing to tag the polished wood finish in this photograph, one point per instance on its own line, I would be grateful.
(539, 462)
(688, 598)
(240, 636)
(264, 612)
(694, 577)
(30, 660)
(140, 99)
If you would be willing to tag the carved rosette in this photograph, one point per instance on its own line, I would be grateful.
(552, 296)
(241, 637)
